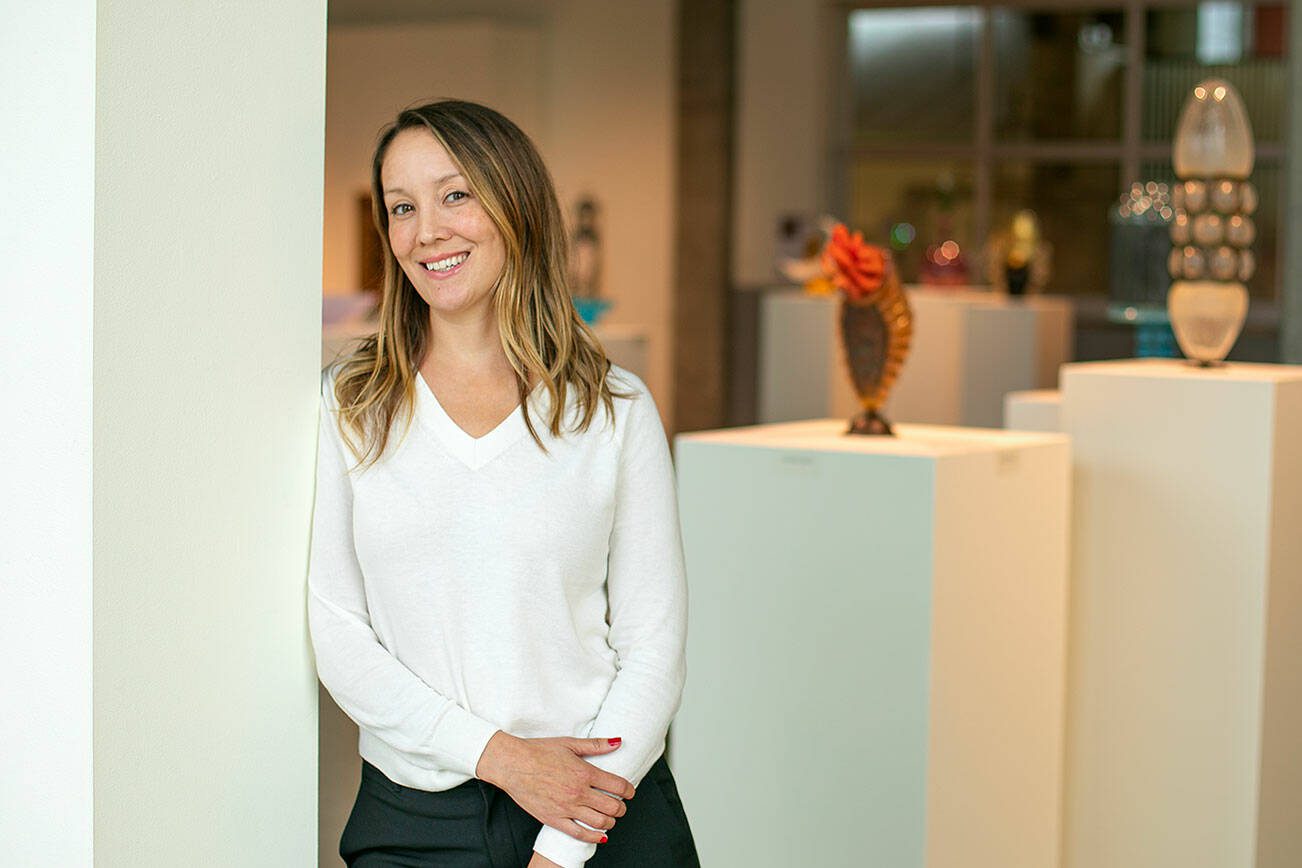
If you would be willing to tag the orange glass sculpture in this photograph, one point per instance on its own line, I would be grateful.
(876, 322)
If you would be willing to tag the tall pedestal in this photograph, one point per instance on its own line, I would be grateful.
(1185, 681)
(876, 646)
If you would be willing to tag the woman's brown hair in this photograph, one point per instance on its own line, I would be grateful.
(544, 339)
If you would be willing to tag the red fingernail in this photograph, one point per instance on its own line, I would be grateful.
(604, 839)
(615, 742)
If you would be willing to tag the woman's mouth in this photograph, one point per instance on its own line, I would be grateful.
(444, 266)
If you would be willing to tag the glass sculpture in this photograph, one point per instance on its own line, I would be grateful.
(1018, 258)
(586, 263)
(876, 321)
(1212, 229)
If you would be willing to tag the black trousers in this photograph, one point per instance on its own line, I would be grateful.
(477, 825)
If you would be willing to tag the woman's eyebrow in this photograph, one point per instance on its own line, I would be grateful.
(437, 181)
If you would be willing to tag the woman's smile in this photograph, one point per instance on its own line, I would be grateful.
(443, 267)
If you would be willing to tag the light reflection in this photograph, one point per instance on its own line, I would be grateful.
(1220, 33)
(902, 235)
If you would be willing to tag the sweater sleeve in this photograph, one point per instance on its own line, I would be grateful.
(646, 587)
(372, 686)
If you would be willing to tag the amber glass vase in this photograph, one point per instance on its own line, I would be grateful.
(875, 334)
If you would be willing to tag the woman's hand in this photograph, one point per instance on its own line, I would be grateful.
(549, 779)
(541, 861)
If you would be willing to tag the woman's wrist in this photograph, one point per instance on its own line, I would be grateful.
(497, 757)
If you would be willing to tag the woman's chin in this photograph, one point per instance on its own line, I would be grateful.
(457, 305)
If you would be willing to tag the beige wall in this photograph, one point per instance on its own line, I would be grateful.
(364, 92)
(782, 110)
(592, 82)
(207, 210)
(612, 132)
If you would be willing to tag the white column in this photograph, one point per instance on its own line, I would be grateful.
(162, 273)
(47, 86)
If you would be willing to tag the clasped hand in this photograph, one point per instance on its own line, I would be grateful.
(549, 779)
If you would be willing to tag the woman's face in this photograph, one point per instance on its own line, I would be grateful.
(440, 234)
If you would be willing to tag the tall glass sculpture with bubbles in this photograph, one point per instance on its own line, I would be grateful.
(1212, 230)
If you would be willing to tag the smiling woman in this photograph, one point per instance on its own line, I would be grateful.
(440, 234)
(455, 178)
(506, 624)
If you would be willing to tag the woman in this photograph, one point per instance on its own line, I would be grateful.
(496, 592)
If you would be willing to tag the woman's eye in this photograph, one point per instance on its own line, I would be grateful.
(459, 194)
(397, 209)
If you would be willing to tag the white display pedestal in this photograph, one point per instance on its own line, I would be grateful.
(800, 369)
(875, 651)
(969, 349)
(1036, 410)
(1186, 661)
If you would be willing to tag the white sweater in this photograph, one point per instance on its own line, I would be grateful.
(465, 585)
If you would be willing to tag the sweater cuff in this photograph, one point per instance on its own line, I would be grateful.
(462, 738)
(562, 849)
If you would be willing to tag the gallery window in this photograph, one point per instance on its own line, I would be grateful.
(952, 118)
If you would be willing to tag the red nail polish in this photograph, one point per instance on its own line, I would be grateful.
(604, 839)
(615, 742)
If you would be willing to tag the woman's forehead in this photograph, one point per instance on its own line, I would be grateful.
(415, 156)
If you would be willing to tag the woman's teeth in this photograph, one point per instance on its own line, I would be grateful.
(445, 264)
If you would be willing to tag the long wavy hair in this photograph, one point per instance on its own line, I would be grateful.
(544, 339)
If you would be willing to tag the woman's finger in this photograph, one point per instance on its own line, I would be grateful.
(590, 746)
(574, 830)
(611, 807)
(613, 784)
(595, 819)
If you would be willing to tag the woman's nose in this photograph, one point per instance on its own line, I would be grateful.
(433, 228)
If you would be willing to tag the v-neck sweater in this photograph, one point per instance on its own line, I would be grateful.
(461, 585)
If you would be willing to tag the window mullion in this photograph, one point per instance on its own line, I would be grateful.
(1132, 119)
(983, 168)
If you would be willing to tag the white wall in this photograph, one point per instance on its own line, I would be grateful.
(162, 253)
(47, 74)
(782, 110)
(592, 82)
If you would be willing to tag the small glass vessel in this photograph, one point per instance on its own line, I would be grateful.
(1207, 316)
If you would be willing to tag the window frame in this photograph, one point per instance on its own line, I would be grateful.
(1129, 152)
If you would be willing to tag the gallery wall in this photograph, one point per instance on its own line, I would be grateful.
(374, 71)
(780, 148)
